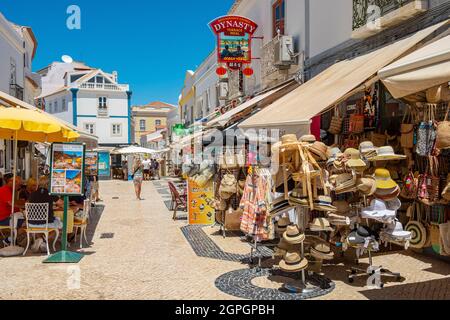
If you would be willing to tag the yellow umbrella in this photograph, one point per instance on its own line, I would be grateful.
(31, 125)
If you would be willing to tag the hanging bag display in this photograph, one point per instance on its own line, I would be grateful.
(352, 141)
(417, 229)
(228, 160)
(409, 189)
(407, 130)
(356, 124)
(426, 132)
(336, 123)
(228, 186)
(443, 133)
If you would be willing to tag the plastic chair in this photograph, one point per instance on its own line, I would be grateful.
(38, 212)
(81, 223)
(178, 201)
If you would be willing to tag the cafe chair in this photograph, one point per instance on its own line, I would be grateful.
(179, 201)
(81, 223)
(39, 212)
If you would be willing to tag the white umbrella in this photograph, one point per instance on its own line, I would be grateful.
(136, 150)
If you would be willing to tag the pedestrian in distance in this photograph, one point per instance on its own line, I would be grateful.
(138, 175)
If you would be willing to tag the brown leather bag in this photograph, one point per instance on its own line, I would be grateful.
(336, 123)
(233, 219)
(407, 130)
(443, 133)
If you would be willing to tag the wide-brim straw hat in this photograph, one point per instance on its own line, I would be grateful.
(324, 203)
(320, 224)
(384, 180)
(319, 150)
(343, 181)
(293, 235)
(387, 194)
(289, 142)
(309, 138)
(387, 153)
(322, 251)
(302, 202)
(366, 148)
(367, 185)
(293, 262)
(282, 225)
(354, 161)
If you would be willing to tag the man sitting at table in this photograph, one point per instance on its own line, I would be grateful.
(6, 195)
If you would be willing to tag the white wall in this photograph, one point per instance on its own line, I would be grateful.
(64, 115)
(206, 81)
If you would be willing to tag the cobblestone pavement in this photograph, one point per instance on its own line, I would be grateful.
(138, 252)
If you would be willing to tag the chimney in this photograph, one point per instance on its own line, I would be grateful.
(115, 76)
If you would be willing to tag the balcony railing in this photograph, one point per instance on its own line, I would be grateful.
(102, 112)
(383, 7)
(105, 86)
(16, 91)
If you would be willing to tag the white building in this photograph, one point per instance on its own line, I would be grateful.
(17, 49)
(90, 99)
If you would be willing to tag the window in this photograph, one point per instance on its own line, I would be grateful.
(56, 106)
(117, 130)
(64, 105)
(99, 79)
(50, 107)
(90, 128)
(102, 102)
(12, 71)
(278, 14)
(142, 125)
(75, 77)
(157, 123)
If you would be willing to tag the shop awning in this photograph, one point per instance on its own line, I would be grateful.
(332, 85)
(226, 117)
(185, 141)
(420, 70)
(158, 135)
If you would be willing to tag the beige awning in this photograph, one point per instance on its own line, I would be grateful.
(420, 70)
(226, 117)
(327, 88)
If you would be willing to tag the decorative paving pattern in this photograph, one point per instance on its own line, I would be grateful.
(204, 246)
(238, 283)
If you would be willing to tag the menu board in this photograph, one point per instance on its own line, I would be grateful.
(201, 210)
(104, 167)
(91, 163)
(67, 169)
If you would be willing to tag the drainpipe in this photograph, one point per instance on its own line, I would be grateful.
(74, 106)
(129, 94)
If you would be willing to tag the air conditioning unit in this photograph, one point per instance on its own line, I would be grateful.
(284, 55)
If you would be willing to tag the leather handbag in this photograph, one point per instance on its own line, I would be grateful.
(228, 186)
(407, 130)
(409, 189)
(443, 133)
(336, 123)
(356, 124)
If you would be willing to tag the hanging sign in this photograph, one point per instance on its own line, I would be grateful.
(67, 169)
(200, 203)
(234, 40)
(91, 163)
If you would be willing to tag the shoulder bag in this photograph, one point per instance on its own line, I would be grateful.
(443, 133)
(426, 133)
(407, 130)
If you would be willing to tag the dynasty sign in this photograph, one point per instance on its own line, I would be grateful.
(234, 39)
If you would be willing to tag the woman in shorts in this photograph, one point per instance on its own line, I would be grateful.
(138, 175)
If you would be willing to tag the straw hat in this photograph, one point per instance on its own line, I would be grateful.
(322, 251)
(343, 181)
(288, 142)
(383, 179)
(282, 225)
(319, 150)
(355, 161)
(320, 224)
(342, 207)
(293, 235)
(293, 262)
(387, 153)
(367, 149)
(324, 203)
(309, 138)
(367, 185)
(388, 194)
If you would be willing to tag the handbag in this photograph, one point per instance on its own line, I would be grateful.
(356, 124)
(228, 161)
(228, 186)
(336, 123)
(426, 132)
(443, 133)
(233, 219)
(352, 141)
(407, 130)
(378, 139)
(409, 189)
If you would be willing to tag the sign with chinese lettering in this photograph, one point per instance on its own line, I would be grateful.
(67, 169)
(234, 40)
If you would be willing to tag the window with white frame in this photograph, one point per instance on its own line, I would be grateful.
(102, 102)
(90, 127)
(142, 125)
(116, 130)
(64, 105)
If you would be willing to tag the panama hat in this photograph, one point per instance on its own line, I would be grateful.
(367, 185)
(355, 161)
(343, 181)
(384, 180)
(320, 224)
(293, 235)
(293, 262)
(322, 251)
(324, 203)
(387, 153)
(319, 150)
(309, 138)
(282, 225)
(359, 235)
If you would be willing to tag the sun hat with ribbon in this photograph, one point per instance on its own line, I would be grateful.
(359, 235)
(387, 194)
(293, 235)
(322, 251)
(367, 185)
(354, 161)
(367, 149)
(309, 138)
(378, 211)
(384, 180)
(396, 230)
(293, 262)
(319, 150)
(386, 153)
(324, 203)
(320, 224)
(343, 181)
(282, 225)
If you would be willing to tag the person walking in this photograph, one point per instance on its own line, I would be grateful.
(138, 175)
(125, 170)
(155, 167)
(147, 166)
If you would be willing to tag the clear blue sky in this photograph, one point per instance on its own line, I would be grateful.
(151, 43)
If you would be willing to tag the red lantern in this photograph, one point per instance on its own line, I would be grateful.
(248, 72)
(221, 71)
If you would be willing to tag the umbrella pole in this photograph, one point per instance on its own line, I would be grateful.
(13, 238)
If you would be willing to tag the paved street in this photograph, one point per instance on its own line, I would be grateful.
(138, 252)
